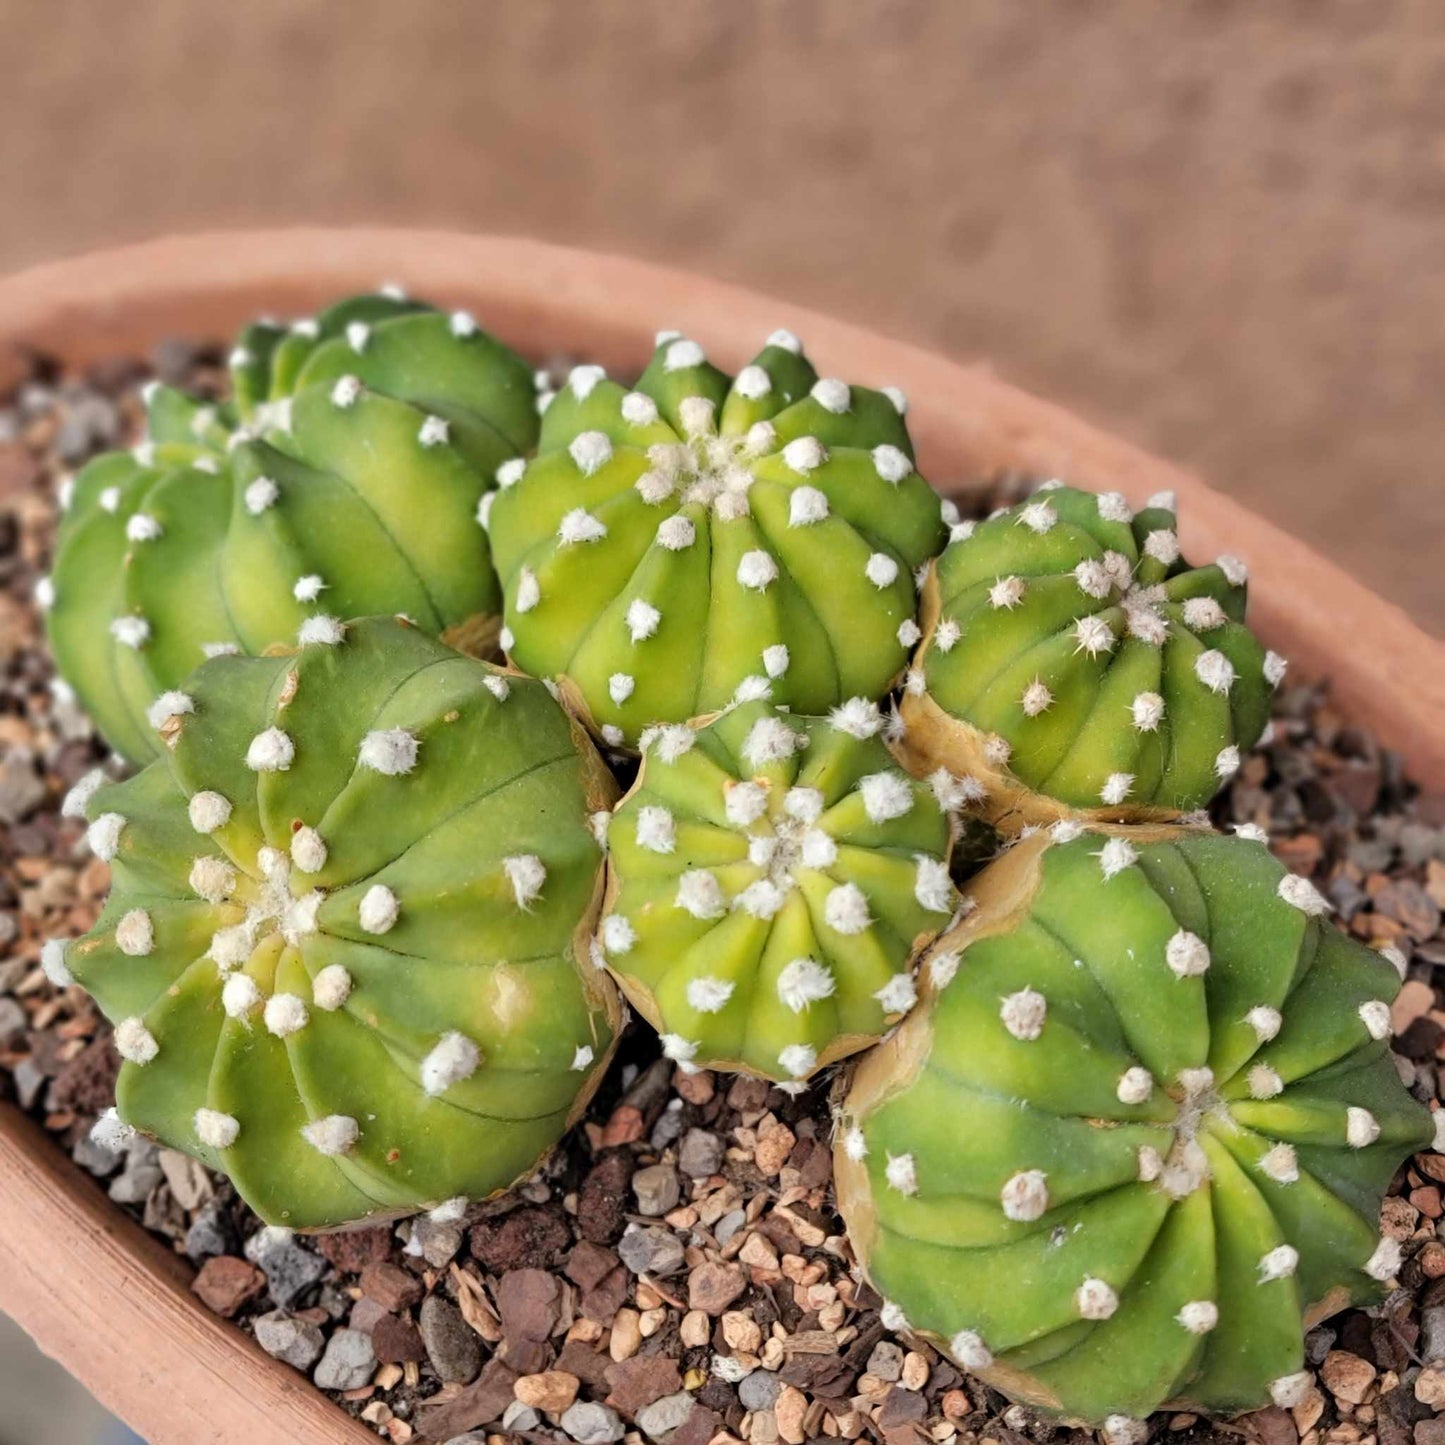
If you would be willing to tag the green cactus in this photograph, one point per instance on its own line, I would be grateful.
(770, 879)
(1135, 1136)
(342, 479)
(704, 538)
(1074, 663)
(347, 907)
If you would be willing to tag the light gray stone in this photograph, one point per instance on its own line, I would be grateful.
(348, 1362)
(592, 1424)
(296, 1342)
(663, 1416)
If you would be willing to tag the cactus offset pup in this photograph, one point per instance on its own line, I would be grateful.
(342, 479)
(770, 880)
(347, 907)
(1133, 1141)
(1074, 663)
(703, 538)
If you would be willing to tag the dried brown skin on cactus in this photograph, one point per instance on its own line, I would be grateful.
(770, 881)
(1073, 664)
(342, 479)
(1134, 1138)
(345, 947)
(704, 539)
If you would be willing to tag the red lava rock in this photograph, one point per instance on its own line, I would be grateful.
(625, 1125)
(589, 1264)
(392, 1287)
(351, 1250)
(901, 1407)
(587, 1362)
(225, 1283)
(748, 1095)
(603, 1301)
(699, 1427)
(395, 1341)
(480, 1403)
(366, 1314)
(528, 1300)
(87, 1083)
(534, 1237)
(697, 1087)
(641, 1380)
(602, 1201)
(713, 1287)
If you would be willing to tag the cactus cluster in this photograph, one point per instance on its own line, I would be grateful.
(772, 878)
(701, 537)
(1073, 662)
(1135, 1136)
(342, 479)
(349, 900)
(1130, 1128)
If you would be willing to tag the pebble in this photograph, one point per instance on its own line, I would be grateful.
(758, 1390)
(392, 1287)
(592, 1424)
(210, 1233)
(435, 1242)
(298, 1343)
(656, 1189)
(1347, 1377)
(22, 789)
(663, 1416)
(551, 1391)
(701, 1154)
(452, 1345)
(650, 1249)
(290, 1269)
(886, 1361)
(1430, 1385)
(140, 1176)
(226, 1283)
(713, 1287)
(516, 1416)
(1432, 1333)
(347, 1363)
(96, 1158)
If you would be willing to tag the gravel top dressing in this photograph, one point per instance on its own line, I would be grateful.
(677, 1270)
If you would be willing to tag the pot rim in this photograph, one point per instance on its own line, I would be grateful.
(94, 1289)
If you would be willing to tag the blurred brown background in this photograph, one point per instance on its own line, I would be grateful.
(1215, 227)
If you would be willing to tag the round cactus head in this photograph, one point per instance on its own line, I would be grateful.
(347, 907)
(704, 533)
(343, 479)
(770, 879)
(1133, 1141)
(1073, 662)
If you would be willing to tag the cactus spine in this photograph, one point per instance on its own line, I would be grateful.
(1134, 1139)
(341, 947)
(342, 479)
(705, 538)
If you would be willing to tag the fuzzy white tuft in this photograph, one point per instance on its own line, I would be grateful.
(1038, 517)
(308, 850)
(1290, 1391)
(1066, 830)
(1280, 1164)
(1115, 856)
(1095, 1300)
(579, 525)
(260, 495)
(1135, 1085)
(770, 740)
(932, 886)
(804, 981)
(806, 506)
(1265, 1022)
(1235, 572)
(285, 1014)
(891, 464)
(454, 1058)
(1251, 832)
(1093, 636)
(761, 899)
(881, 570)
(321, 631)
(700, 894)
(799, 1060)
(1274, 668)
(642, 619)
(1361, 1127)
(855, 1146)
(134, 1042)
(378, 910)
(1384, 1263)
(240, 995)
(111, 1132)
(52, 962)
(215, 1129)
(969, 1350)
(909, 632)
(1187, 955)
(77, 800)
(846, 909)
(511, 472)
(1163, 546)
(833, 395)
(332, 1134)
(1117, 787)
(1114, 508)
(1203, 614)
(1278, 1263)
(682, 355)
(1375, 1015)
(886, 796)
(345, 392)
(676, 533)
(1036, 698)
(805, 454)
(785, 341)
(1007, 593)
(708, 995)
(1093, 579)
(582, 380)
(132, 632)
(674, 741)
(271, 751)
(389, 751)
(1025, 1196)
(819, 850)
(803, 803)
(857, 717)
(753, 383)
(1199, 1316)
(898, 995)
(591, 451)
(899, 400)
(462, 324)
(1023, 1013)
(618, 935)
(955, 793)
(311, 586)
(744, 803)
(656, 829)
(901, 1173)
(526, 873)
(1302, 894)
(678, 1049)
(1215, 671)
(582, 1058)
(620, 687)
(757, 570)
(212, 878)
(1264, 1083)
(103, 835)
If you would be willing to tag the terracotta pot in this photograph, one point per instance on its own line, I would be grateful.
(105, 1298)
